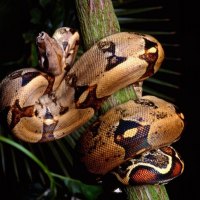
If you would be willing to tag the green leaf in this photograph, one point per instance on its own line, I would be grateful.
(125, 12)
(154, 92)
(126, 20)
(90, 192)
(58, 158)
(169, 72)
(65, 151)
(163, 83)
(2, 158)
(31, 156)
(34, 55)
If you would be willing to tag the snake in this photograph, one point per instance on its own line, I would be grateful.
(131, 140)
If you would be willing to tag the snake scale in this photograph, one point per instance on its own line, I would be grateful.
(131, 140)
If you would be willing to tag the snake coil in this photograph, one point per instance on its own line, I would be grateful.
(132, 139)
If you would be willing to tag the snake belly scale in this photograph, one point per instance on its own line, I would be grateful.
(50, 103)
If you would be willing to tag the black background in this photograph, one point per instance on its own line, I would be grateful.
(187, 186)
(188, 15)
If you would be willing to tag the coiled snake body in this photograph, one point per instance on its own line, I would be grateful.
(45, 105)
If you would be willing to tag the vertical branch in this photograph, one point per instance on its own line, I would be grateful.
(98, 20)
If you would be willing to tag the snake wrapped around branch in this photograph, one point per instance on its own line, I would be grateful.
(132, 140)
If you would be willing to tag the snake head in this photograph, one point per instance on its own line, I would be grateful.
(68, 39)
(51, 55)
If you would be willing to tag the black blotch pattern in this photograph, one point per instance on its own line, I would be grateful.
(48, 114)
(18, 112)
(64, 44)
(150, 58)
(63, 110)
(123, 169)
(29, 76)
(107, 46)
(124, 126)
(160, 161)
(146, 102)
(48, 131)
(149, 44)
(113, 60)
(131, 144)
(79, 90)
(94, 128)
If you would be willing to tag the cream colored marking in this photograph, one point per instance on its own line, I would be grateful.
(152, 50)
(130, 133)
(49, 121)
(140, 151)
(160, 170)
(181, 116)
(130, 168)
(83, 97)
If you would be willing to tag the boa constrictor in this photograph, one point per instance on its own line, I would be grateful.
(48, 104)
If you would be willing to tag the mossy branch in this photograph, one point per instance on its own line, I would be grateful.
(98, 20)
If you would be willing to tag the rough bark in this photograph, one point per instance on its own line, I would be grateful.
(98, 20)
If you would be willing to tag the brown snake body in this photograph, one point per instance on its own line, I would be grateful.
(45, 105)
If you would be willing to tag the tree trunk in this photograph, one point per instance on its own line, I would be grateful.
(98, 20)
